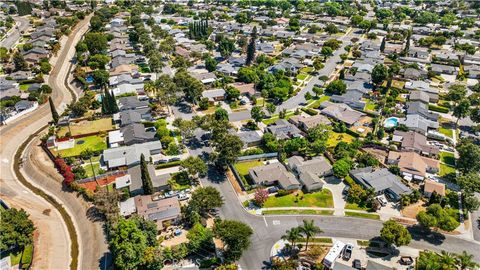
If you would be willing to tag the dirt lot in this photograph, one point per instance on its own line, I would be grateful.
(412, 210)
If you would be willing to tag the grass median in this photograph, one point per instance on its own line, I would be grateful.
(298, 212)
(362, 215)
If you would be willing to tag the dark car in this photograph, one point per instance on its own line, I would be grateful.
(345, 190)
(272, 190)
(406, 260)
(357, 264)
(347, 253)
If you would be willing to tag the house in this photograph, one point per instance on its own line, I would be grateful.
(420, 108)
(23, 105)
(419, 96)
(127, 88)
(341, 112)
(282, 129)
(412, 165)
(35, 54)
(414, 74)
(214, 95)
(287, 64)
(444, 69)
(130, 155)
(352, 98)
(249, 138)
(131, 103)
(227, 69)
(274, 174)
(306, 123)
(416, 142)
(135, 133)
(431, 186)
(381, 180)
(310, 172)
(205, 78)
(162, 211)
(159, 182)
(423, 87)
(21, 75)
(128, 117)
(130, 69)
(246, 89)
(418, 123)
(125, 78)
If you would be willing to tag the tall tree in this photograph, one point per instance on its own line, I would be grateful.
(461, 110)
(382, 45)
(292, 236)
(128, 244)
(379, 74)
(309, 229)
(146, 180)
(205, 199)
(395, 234)
(53, 110)
(235, 235)
(251, 47)
(194, 166)
(16, 229)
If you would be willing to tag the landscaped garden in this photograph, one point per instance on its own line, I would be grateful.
(179, 181)
(87, 127)
(447, 158)
(321, 198)
(446, 131)
(94, 143)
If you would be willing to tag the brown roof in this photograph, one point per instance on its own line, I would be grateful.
(123, 69)
(416, 141)
(245, 88)
(157, 210)
(431, 186)
(309, 122)
(413, 163)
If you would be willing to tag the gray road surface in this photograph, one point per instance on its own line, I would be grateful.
(14, 35)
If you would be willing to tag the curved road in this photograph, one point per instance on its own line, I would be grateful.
(269, 229)
(13, 36)
(53, 243)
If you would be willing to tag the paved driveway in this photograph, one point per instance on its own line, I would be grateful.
(336, 186)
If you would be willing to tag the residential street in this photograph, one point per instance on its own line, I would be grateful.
(53, 245)
(15, 33)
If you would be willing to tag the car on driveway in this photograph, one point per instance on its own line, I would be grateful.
(382, 200)
(347, 253)
(357, 264)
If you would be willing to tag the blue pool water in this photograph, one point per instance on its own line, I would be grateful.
(391, 122)
(89, 79)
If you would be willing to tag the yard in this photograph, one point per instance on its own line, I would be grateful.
(446, 131)
(302, 76)
(446, 169)
(87, 127)
(179, 181)
(447, 158)
(319, 101)
(362, 215)
(335, 138)
(370, 106)
(275, 118)
(24, 87)
(94, 143)
(354, 206)
(321, 198)
(89, 169)
(243, 167)
(298, 212)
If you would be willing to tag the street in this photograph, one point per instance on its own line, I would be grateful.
(13, 36)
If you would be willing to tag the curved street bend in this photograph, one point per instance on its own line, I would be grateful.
(52, 250)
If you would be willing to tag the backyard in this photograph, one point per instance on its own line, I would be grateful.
(447, 158)
(94, 143)
(243, 167)
(321, 198)
(446, 131)
(87, 127)
(334, 138)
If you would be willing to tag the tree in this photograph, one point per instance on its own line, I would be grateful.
(235, 235)
(436, 216)
(337, 87)
(96, 42)
(395, 234)
(226, 46)
(19, 62)
(341, 167)
(16, 230)
(4, 54)
(261, 195)
(292, 235)
(53, 110)
(146, 180)
(379, 74)
(205, 199)
(465, 261)
(210, 64)
(251, 47)
(331, 28)
(194, 166)
(468, 157)
(232, 93)
(128, 244)
(271, 108)
(456, 92)
(257, 114)
(199, 238)
(221, 114)
(326, 51)
(192, 87)
(382, 45)
(100, 77)
(309, 229)
(356, 19)
(227, 148)
(461, 110)
(317, 90)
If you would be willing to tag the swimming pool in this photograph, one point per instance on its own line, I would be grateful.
(391, 122)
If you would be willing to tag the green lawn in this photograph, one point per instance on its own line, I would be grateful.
(179, 181)
(448, 158)
(24, 87)
(354, 206)
(302, 76)
(335, 138)
(321, 198)
(446, 169)
(274, 118)
(445, 131)
(317, 102)
(306, 69)
(15, 257)
(87, 127)
(370, 106)
(94, 143)
(298, 212)
(362, 215)
(89, 169)
(243, 167)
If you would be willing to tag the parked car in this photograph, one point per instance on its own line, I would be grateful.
(382, 201)
(357, 264)
(272, 190)
(345, 190)
(175, 159)
(406, 260)
(347, 253)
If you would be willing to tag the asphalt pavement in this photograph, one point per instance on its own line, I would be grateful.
(13, 36)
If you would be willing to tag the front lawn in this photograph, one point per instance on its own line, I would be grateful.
(179, 181)
(302, 76)
(354, 206)
(319, 101)
(24, 87)
(94, 143)
(87, 127)
(298, 212)
(321, 198)
(447, 158)
(362, 215)
(446, 131)
(334, 138)
(274, 118)
(446, 169)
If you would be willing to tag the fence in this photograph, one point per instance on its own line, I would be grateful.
(100, 176)
(259, 156)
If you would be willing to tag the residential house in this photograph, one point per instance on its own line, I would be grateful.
(135, 133)
(414, 141)
(306, 123)
(420, 108)
(419, 96)
(287, 64)
(159, 182)
(418, 123)
(162, 211)
(249, 138)
(444, 69)
(246, 89)
(130, 155)
(23, 105)
(341, 112)
(131, 103)
(205, 78)
(310, 172)
(381, 180)
(351, 98)
(431, 186)
(412, 165)
(282, 129)
(423, 87)
(128, 117)
(274, 174)
(214, 95)
(34, 55)
(414, 74)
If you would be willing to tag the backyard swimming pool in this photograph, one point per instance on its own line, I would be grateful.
(391, 122)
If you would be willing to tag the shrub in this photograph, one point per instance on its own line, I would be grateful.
(436, 108)
(282, 192)
(27, 256)
(168, 165)
(310, 111)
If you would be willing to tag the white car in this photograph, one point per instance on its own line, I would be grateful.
(382, 201)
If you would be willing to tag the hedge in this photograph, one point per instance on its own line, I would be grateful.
(439, 109)
(353, 133)
(310, 111)
(27, 256)
(169, 164)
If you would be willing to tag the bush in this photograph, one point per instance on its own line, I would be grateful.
(282, 192)
(27, 256)
(310, 111)
(168, 165)
(252, 151)
(436, 108)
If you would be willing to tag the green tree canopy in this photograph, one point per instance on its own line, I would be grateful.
(235, 236)
(395, 234)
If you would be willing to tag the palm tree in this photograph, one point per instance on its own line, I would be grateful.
(448, 260)
(465, 261)
(292, 236)
(309, 229)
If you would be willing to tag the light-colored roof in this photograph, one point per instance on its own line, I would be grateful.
(432, 186)
(123, 181)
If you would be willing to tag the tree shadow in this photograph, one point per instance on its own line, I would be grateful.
(215, 175)
(267, 265)
(420, 233)
(94, 215)
(105, 262)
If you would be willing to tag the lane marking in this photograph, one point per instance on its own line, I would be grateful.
(266, 224)
(276, 222)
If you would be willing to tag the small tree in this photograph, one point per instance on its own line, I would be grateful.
(271, 108)
(261, 195)
(257, 114)
(395, 234)
(309, 229)
(194, 166)
(53, 110)
(146, 180)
